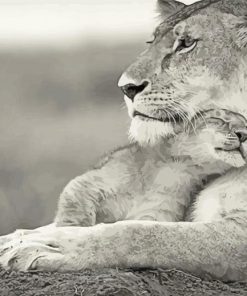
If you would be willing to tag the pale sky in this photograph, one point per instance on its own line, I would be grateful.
(25, 23)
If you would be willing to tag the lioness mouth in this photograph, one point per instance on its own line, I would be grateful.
(175, 117)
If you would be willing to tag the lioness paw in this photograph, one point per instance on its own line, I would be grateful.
(18, 234)
(27, 255)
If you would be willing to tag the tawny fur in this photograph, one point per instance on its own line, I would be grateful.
(157, 183)
(211, 74)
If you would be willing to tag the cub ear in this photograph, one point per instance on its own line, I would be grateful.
(169, 7)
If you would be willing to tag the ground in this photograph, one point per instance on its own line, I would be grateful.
(113, 282)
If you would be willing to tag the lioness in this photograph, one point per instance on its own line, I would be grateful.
(195, 62)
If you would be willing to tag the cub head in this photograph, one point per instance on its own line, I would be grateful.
(196, 61)
(218, 140)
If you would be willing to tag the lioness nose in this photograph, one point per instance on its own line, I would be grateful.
(131, 90)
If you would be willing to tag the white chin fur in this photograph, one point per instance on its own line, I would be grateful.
(149, 132)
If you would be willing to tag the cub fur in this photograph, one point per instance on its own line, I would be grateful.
(139, 183)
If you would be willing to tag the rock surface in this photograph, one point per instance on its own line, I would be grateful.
(113, 282)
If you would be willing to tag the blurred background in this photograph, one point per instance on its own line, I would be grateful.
(60, 108)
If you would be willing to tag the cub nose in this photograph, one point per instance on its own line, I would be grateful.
(241, 134)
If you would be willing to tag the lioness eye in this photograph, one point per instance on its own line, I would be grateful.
(184, 45)
(187, 43)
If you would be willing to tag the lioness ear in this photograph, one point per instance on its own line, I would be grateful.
(237, 25)
(241, 35)
(169, 7)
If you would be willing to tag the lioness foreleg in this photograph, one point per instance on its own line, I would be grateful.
(215, 248)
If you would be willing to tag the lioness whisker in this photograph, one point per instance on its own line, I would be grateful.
(180, 114)
(170, 115)
(188, 121)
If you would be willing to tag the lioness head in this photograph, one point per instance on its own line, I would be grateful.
(197, 60)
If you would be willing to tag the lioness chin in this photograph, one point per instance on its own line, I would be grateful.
(196, 62)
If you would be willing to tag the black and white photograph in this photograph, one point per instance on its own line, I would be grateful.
(123, 147)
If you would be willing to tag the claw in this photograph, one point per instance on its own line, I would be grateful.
(32, 266)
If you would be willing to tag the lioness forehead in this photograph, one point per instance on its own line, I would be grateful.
(169, 23)
(193, 25)
(234, 7)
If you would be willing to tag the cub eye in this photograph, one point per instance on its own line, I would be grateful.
(184, 45)
(215, 121)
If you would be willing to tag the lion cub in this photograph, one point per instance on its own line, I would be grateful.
(156, 183)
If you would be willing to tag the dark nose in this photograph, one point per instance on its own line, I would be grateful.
(241, 134)
(131, 90)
